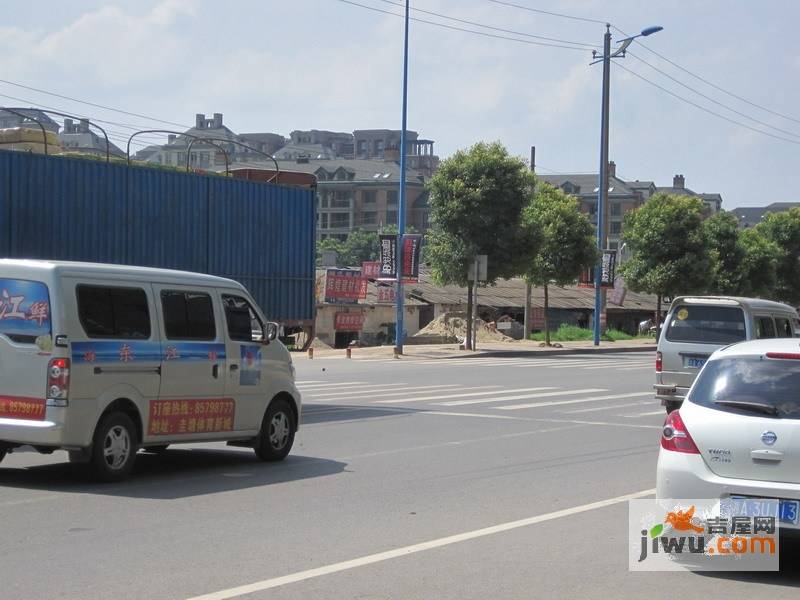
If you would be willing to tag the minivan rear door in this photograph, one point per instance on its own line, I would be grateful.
(692, 333)
(744, 416)
(25, 348)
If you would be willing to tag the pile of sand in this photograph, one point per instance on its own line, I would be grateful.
(454, 325)
(318, 344)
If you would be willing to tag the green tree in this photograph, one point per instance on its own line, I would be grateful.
(783, 229)
(726, 252)
(567, 243)
(759, 266)
(476, 201)
(669, 247)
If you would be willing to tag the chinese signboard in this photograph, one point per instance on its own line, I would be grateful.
(343, 286)
(608, 268)
(411, 247)
(24, 307)
(388, 263)
(371, 269)
(387, 294)
(169, 417)
(345, 321)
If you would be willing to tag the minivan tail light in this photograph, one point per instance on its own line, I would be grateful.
(659, 362)
(58, 382)
(675, 436)
(784, 355)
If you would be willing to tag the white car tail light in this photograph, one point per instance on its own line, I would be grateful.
(58, 382)
(675, 436)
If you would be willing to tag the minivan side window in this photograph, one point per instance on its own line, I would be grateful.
(784, 327)
(113, 312)
(765, 328)
(243, 323)
(188, 315)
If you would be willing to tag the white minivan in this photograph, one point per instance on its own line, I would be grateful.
(697, 326)
(101, 360)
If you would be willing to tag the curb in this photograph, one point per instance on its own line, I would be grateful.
(551, 352)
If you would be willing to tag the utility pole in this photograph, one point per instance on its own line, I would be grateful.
(401, 201)
(527, 318)
(602, 191)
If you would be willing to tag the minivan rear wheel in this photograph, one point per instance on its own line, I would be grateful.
(114, 447)
(277, 432)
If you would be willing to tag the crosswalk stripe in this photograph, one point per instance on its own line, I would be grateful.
(523, 397)
(382, 390)
(646, 414)
(648, 365)
(483, 393)
(337, 384)
(576, 401)
(596, 408)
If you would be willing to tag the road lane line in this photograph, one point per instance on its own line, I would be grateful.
(646, 414)
(523, 397)
(487, 390)
(370, 559)
(598, 408)
(575, 401)
(381, 389)
(301, 386)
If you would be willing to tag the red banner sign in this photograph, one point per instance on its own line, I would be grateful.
(18, 407)
(371, 269)
(344, 285)
(168, 417)
(386, 294)
(343, 321)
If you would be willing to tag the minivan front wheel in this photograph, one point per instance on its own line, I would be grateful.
(114, 447)
(277, 432)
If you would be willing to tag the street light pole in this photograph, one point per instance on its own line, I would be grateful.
(602, 188)
(401, 201)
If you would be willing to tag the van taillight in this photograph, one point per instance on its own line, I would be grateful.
(675, 436)
(58, 382)
(659, 364)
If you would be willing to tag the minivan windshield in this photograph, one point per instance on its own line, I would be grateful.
(24, 309)
(750, 384)
(704, 324)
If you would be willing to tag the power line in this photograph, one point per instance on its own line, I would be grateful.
(710, 99)
(711, 84)
(546, 12)
(708, 110)
(454, 28)
(464, 21)
(125, 112)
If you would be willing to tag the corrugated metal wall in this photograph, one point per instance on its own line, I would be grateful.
(70, 209)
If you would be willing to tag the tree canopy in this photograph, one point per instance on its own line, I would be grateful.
(783, 229)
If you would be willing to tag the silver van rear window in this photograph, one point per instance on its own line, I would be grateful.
(24, 309)
(703, 324)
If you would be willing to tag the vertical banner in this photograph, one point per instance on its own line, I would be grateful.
(388, 261)
(411, 248)
(608, 268)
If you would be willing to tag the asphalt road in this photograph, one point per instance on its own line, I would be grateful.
(410, 479)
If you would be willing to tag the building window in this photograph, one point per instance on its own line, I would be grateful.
(338, 220)
(341, 199)
(616, 209)
(379, 147)
(362, 148)
(391, 217)
(368, 197)
(615, 228)
(391, 198)
(324, 221)
(613, 245)
(369, 218)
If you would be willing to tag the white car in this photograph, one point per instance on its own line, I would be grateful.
(737, 434)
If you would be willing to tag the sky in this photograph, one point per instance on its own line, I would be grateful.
(277, 66)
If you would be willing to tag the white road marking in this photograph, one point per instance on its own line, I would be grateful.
(646, 414)
(576, 401)
(400, 552)
(314, 395)
(328, 384)
(523, 397)
(597, 408)
(307, 382)
(488, 391)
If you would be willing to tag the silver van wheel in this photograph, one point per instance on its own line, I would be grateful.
(117, 447)
(279, 430)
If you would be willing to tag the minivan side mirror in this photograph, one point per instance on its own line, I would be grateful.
(271, 332)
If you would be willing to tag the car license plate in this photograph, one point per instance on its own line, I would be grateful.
(694, 362)
(788, 510)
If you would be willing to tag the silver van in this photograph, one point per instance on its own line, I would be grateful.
(102, 360)
(696, 326)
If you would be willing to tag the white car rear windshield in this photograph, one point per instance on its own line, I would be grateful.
(24, 310)
(700, 324)
(750, 385)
